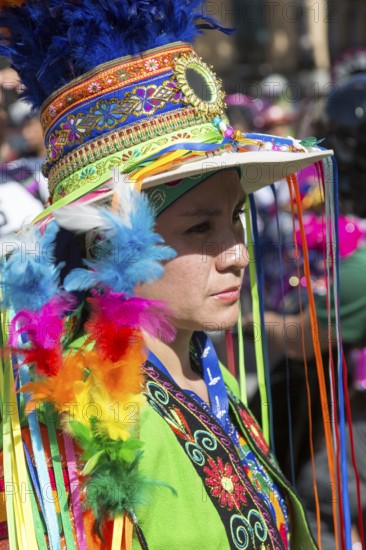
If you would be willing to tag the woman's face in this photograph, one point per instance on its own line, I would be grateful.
(202, 284)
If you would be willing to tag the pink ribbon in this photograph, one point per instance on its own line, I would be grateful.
(75, 493)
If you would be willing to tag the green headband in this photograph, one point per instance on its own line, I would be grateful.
(162, 196)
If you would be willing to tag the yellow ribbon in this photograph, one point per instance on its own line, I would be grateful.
(117, 533)
(18, 508)
(122, 533)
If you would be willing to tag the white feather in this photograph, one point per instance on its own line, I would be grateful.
(82, 218)
(79, 218)
(123, 187)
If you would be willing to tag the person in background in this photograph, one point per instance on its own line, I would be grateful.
(20, 198)
(340, 118)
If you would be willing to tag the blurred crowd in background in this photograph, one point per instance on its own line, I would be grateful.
(23, 189)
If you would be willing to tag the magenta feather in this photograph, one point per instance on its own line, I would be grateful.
(134, 313)
(41, 332)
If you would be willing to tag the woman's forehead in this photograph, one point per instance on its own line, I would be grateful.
(210, 196)
(221, 188)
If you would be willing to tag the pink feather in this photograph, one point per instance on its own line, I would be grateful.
(43, 331)
(114, 313)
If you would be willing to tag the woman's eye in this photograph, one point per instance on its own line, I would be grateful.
(238, 214)
(199, 228)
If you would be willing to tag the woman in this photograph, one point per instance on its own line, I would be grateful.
(148, 447)
(201, 288)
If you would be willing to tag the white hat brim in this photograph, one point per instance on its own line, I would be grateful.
(258, 168)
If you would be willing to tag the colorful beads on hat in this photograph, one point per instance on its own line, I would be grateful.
(229, 132)
(216, 121)
(226, 130)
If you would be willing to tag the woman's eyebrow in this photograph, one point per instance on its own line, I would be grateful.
(209, 212)
(201, 212)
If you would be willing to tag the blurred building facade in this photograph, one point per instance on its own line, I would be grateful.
(284, 36)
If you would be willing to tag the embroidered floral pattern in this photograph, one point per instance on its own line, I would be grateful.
(87, 173)
(129, 155)
(73, 127)
(52, 111)
(122, 75)
(94, 87)
(72, 180)
(178, 93)
(183, 135)
(108, 113)
(122, 139)
(109, 79)
(247, 520)
(151, 64)
(224, 484)
(54, 148)
(146, 103)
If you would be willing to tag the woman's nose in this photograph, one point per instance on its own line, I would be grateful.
(234, 256)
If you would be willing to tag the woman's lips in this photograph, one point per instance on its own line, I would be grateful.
(231, 294)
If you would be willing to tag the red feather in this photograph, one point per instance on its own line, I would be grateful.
(46, 361)
(116, 321)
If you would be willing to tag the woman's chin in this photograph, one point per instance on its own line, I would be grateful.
(223, 318)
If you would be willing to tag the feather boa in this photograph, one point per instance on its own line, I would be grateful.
(54, 41)
(29, 278)
(99, 401)
(43, 330)
(128, 252)
(114, 319)
(96, 390)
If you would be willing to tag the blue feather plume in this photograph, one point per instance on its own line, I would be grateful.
(128, 252)
(52, 42)
(29, 277)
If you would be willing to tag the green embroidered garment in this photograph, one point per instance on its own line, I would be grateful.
(188, 450)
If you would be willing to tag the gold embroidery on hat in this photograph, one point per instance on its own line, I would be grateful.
(121, 139)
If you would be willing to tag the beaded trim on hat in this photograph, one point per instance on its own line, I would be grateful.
(119, 140)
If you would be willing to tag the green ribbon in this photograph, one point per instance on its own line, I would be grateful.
(242, 373)
(59, 478)
(257, 323)
(38, 525)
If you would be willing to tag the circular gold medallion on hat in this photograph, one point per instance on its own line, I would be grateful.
(199, 84)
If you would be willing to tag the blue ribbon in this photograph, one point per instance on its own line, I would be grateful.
(288, 393)
(189, 147)
(34, 477)
(343, 439)
(260, 279)
(214, 381)
(211, 374)
(47, 505)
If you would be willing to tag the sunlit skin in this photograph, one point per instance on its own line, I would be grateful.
(205, 229)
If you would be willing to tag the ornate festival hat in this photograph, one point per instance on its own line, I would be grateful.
(121, 91)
